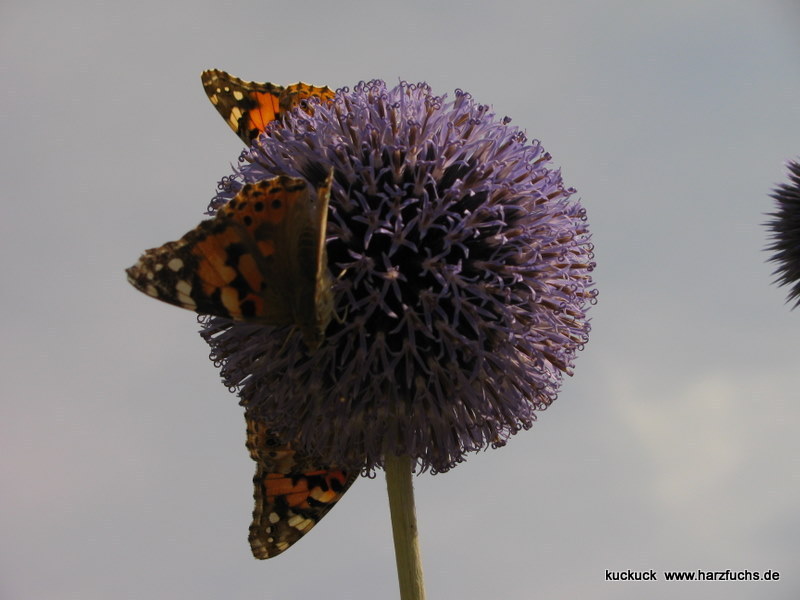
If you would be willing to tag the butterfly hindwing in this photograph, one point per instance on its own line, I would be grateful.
(246, 263)
(249, 106)
(292, 492)
(314, 300)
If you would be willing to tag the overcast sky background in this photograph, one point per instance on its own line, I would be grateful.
(123, 470)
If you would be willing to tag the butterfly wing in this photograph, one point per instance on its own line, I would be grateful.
(242, 264)
(296, 94)
(246, 106)
(314, 300)
(249, 106)
(292, 492)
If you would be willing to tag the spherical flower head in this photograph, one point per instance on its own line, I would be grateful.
(461, 269)
(785, 228)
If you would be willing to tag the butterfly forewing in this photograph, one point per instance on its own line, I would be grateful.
(249, 106)
(292, 492)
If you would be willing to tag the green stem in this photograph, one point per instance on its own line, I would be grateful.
(404, 527)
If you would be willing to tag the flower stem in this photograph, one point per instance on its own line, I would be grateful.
(404, 527)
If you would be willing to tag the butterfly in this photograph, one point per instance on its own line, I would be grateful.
(248, 106)
(292, 491)
(261, 259)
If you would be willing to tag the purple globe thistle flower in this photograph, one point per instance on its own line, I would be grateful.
(461, 271)
(785, 228)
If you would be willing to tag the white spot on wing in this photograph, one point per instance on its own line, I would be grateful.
(187, 302)
(183, 289)
(300, 523)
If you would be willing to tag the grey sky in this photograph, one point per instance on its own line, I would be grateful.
(122, 461)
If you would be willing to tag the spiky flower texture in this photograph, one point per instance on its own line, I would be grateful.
(462, 274)
(785, 229)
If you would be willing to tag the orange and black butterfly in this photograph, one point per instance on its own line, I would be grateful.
(292, 491)
(249, 106)
(261, 259)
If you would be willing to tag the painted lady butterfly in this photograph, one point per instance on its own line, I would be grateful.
(248, 106)
(261, 259)
(292, 492)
